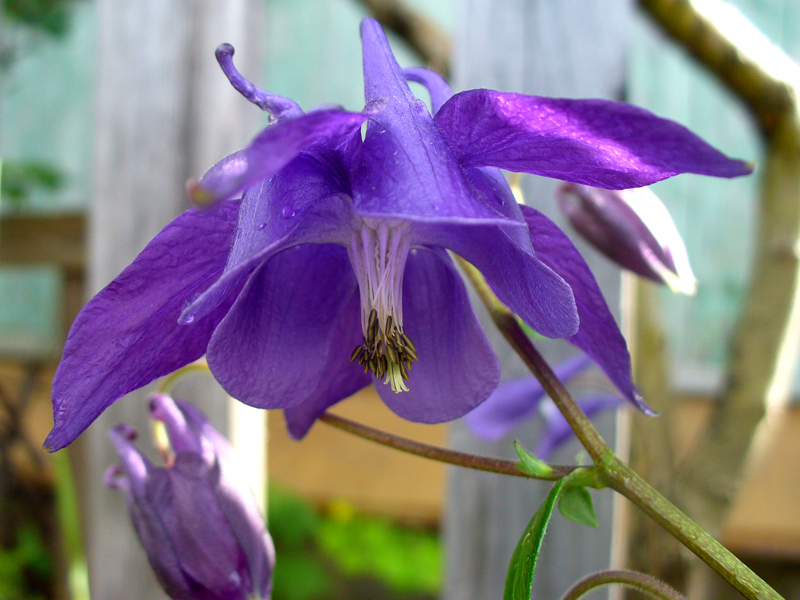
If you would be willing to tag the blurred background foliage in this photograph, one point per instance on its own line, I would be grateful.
(339, 553)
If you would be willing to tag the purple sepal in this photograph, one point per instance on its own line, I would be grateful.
(128, 334)
(595, 142)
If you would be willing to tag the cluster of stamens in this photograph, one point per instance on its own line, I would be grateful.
(387, 352)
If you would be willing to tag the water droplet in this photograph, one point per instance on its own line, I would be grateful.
(287, 212)
(261, 227)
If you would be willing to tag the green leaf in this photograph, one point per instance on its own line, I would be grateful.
(530, 464)
(575, 504)
(526, 554)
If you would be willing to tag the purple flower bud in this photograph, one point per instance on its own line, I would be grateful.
(633, 228)
(196, 518)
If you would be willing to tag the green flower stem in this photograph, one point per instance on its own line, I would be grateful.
(617, 474)
(640, 581)
(461, 459)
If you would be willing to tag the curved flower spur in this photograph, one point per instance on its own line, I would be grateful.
(337, 250)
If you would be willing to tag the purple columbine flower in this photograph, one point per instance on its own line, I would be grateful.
(634, 229)
(337, 250)
(196, 518)
(514, 402)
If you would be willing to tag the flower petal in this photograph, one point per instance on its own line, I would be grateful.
(303, 203)
(128, 334)
(271, 348)
(514, 401)
(595, 142)
(272, 150)
(457, 367)
(340, 378)
(598, 335)
(404, 168)
(525, 284)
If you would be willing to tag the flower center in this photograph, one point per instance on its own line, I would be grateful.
(378, 252)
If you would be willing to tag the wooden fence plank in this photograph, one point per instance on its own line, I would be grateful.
(575, 49)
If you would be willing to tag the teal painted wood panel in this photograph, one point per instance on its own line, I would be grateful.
(46, 108)
(30, 312)
(313, 49)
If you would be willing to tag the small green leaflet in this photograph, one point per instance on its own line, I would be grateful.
(575, 504)
(530, 464)
(526, 554)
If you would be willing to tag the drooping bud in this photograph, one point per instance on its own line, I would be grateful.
(634, 229)
(196, 518)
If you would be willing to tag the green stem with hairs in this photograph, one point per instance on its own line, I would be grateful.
(640, 581)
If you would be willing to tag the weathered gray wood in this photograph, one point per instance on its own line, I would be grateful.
(573, 49)
(164, 112)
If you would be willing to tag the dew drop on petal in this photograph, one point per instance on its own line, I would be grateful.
(262, 226)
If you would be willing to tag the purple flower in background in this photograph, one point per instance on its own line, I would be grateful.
(196, 518)
(331, 272)
(634, 229)
(514, 402)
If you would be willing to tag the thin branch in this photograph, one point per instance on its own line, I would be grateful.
(766, 339)
(424, 36)
(734, 51)
(460, 459)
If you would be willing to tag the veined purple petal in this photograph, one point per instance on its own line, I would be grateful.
(527, 285)
(272, 150)
(271, 348)
(340, 378)
(405, 169)
(514, 401)
(305, 202)
(598, 335)
(634, 229)
(557, 431)
(277, 106)
(128, 334)
(437, 87)
(457, 368)
(595, 142)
